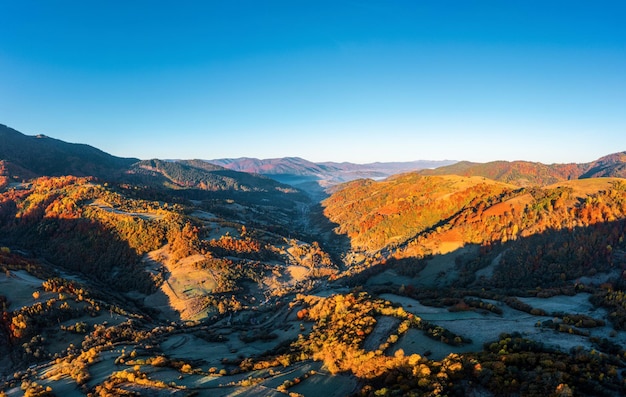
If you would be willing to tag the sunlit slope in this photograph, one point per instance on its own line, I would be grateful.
(413, 215)
(375, 215)
(526, 212)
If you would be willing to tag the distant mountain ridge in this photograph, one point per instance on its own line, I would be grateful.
(525, 173)
(23, 157)
(300, 166)
(277, 166)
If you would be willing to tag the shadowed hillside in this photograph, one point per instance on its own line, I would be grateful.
(87, 228)
(30, 156)
(201, 175)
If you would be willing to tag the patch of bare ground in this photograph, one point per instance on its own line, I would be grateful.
(217, 230)
(18, 286)
(203, 215)
(439, 271)
(487, 272)
(486, 327)
(312, 380)
(143, 215)
(180, 296)
(291, 275)
(384, 327)
(417, 342)
(518, 202)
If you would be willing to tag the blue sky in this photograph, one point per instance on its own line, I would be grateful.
(358, 81)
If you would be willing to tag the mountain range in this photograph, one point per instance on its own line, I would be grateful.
(24, 157)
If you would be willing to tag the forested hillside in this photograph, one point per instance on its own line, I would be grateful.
(40, 155)
(413, 216)
(398, 211)
(88, 228)
(200, 175)
(376, 215)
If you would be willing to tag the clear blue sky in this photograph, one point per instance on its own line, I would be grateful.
(358, 81)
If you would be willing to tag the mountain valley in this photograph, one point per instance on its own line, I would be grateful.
(314, 178)
(280, 277)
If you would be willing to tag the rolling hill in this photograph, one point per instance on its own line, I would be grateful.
(375, 215)
(613, 165)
